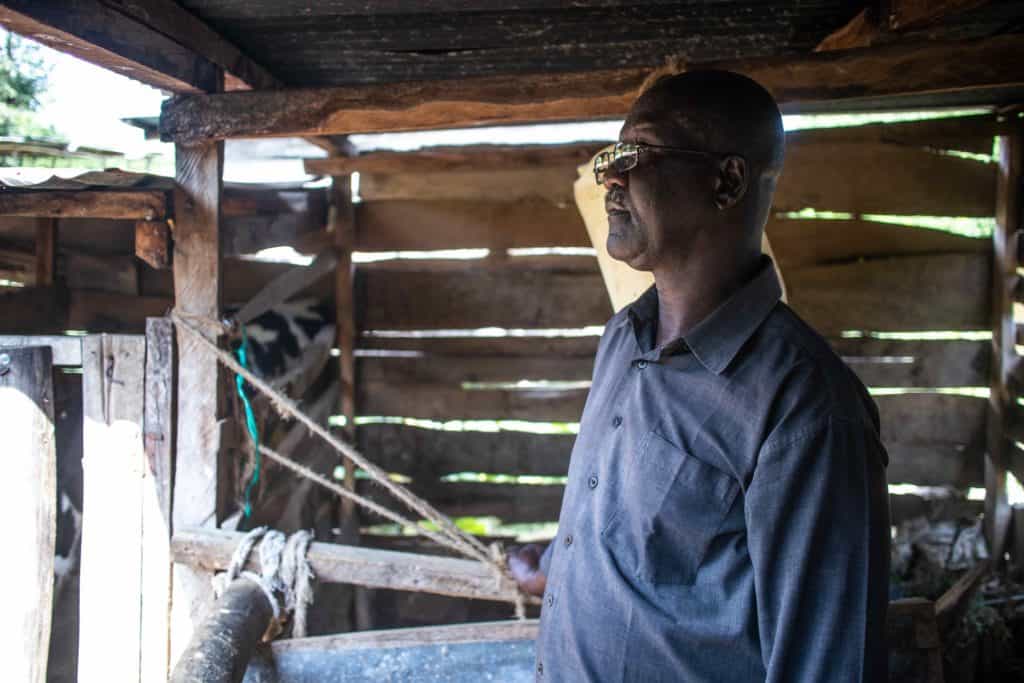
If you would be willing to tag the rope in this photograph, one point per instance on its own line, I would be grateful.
(449, 535)
(250, 422)
(284, 571)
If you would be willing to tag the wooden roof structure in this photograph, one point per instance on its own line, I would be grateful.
(276, 68)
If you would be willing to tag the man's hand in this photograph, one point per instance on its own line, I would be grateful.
(524, 565)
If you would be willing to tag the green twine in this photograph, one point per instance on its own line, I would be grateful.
(250, 421)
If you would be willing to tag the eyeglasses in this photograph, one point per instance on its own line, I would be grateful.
(625, 156)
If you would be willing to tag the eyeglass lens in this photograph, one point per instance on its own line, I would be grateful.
(621, 159)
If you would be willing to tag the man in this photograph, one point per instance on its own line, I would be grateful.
(726, 513)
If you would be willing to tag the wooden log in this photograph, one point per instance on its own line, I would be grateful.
(109, 312)
(859, 177)
(113, 376)
(30, 498)
(410, 300)
(211, 549)
(226, 640)
(898, 363)
(802, 243)
(427, 225)
(933, 68)
(153, 243)
(96, 33)
(157, 475)
(147, 205)
(942, 292)
(906, 14)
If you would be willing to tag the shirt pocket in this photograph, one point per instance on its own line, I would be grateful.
(672, 507)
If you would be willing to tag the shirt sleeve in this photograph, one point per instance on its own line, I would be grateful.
(817, 516)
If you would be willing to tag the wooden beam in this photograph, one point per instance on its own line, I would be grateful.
(210, 550)
(1002, 401)
(66, 351)
(343, 224)
(199, 491)
(172, 20)
(826, 76)
(96, 33)
(30, 497)
(113, 374)
(148, 205)
(157, 477)
(153, 243)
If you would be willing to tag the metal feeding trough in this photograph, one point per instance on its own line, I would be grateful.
(464, 653)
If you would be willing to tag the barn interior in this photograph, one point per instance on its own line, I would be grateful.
(444, 296)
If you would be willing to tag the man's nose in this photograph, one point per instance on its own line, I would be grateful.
(613, 177)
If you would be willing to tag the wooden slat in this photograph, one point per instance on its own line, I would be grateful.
(885, 179)
(551, 183)
(113, 273)
(425, 453)
(427, 225)
(476, 158)
(897, 363)
(30, 500)
(801, 243)
(896, 69)
(46, 251)
(943, 292)
(91, 31)
(158, 436)
(113, 460)
(146, 205)
(441, 402)
(108, 312)
(479, 299)
(34, 310)
(455, 371)
(66, 351)
(211, 549)
(573, 347)
(906, 14)
(964, 133)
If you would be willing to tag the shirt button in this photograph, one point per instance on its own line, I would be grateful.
(592, 482)
(568, 540)
(616, 421)
(540, 669)
(550, 600)
(641, 364)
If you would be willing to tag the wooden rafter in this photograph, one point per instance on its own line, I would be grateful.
(96, 33)
(924, 69)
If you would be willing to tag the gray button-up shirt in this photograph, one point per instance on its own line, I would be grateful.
(726, 513)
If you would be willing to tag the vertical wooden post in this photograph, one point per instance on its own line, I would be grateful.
(199, 498)
(113, 460)
(343, 224)
(158, 438)
(1002, 400)
(29, 504)
(46, 251)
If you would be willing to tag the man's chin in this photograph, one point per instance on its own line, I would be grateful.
(621, 250)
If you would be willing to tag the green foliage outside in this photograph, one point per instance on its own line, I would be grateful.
(23, 80)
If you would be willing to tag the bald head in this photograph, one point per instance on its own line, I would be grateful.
(723, 112)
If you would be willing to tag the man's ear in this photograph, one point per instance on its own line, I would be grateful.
(731, 181)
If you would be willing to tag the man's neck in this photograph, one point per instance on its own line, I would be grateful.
(692, 288)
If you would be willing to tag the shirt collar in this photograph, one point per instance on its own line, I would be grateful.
(717, 339)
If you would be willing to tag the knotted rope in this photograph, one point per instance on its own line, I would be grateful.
(284, 571)
(447, 535)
